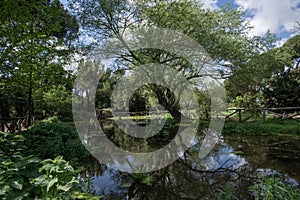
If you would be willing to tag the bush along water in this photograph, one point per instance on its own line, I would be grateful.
(51, 138)
(270, 127)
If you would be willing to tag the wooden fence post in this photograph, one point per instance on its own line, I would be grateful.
(2, 126)
(264, 115)
(240, 114)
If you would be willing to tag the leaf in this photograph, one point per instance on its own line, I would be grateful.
(51, 183)
(16, 183)
(126, 185)
(147, 180)
(19, 138)
(45, 167)
(69, 168)
(41, 180)
(7, 163)
(34, 160)
(78, 195)
(69, 185)
(4, 190)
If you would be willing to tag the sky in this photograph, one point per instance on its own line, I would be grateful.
(278, 16)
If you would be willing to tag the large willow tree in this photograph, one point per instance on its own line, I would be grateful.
(222, 33)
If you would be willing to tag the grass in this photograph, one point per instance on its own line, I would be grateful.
(144, 117)
(272, 126)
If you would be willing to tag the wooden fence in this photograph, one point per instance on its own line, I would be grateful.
(102, 114)
(264, 111)
(13, 124)
(237, 114)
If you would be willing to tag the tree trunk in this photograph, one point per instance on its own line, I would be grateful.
(167, 99)
(30, 106)
(30, 101)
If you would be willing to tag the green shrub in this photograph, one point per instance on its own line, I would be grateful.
(27, 177)
(273, 188)
(271, 127)
(57, 179)
(244, 128)
(50, 138)
(294, 130)
(226, 193)
(15, 169)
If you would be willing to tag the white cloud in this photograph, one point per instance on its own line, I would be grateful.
(277, 16)
(281, 42)
(211, 4)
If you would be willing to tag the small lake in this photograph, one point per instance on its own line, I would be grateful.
(235, 163)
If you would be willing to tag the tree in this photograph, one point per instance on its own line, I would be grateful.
(297, 27)
(246, 82)
(35, 41)
(283, 88)
(223, 34)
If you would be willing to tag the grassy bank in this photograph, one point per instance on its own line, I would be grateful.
(270, 127)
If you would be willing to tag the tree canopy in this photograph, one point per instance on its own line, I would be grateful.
(222, 33)
(35, 39)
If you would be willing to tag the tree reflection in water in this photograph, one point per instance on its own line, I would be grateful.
(191, 177)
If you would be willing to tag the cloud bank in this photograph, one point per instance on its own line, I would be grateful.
(277, 16)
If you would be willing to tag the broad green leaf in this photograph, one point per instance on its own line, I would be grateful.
(41, 180)
(4, 190)
(69, 185)
(51, 183)
(16, 183)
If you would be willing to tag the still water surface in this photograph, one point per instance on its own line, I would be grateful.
(235, 163)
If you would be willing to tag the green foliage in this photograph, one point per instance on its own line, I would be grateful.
(57, 179)
(293, 46)
(223, 34)
(272, 188)
(248, 100)
(30, 178)
(265, 77)
(105, 88)
(226, 193)
(15, 169)
(35, 38)
(169, 124)
(270, 127)
(284, 90)
(50, 138)
(143, 178)
(293, 130)
(56, 101)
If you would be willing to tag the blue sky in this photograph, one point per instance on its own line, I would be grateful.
(278, 16)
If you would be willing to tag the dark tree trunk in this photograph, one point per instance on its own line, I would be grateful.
(30, 106)
(30, 101)
(167, 99)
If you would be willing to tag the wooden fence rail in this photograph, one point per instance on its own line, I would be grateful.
(264, 112)
(19, 123)
(13, 124)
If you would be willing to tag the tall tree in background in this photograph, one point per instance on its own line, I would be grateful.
(283, 88)
(35, 40)
(244, 85)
